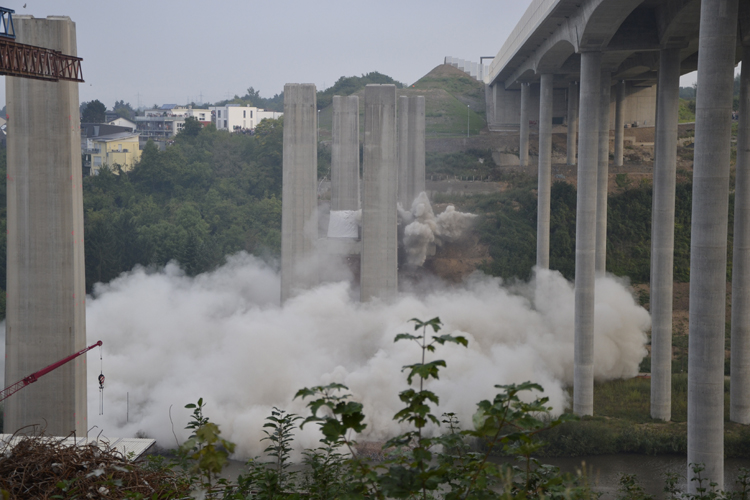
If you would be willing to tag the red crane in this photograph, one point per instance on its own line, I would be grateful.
(10, 390)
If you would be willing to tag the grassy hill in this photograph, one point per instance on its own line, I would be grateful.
(453, 100)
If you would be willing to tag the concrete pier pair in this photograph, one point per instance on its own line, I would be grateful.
(46, 289)
(393, 170)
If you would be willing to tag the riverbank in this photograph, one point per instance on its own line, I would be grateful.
(622, 424)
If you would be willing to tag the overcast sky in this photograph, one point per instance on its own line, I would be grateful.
(175, 51)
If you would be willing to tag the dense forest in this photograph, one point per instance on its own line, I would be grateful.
(209, 195)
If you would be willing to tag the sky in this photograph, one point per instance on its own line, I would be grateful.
(178, 51)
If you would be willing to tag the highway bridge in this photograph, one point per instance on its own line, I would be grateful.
(597, 64)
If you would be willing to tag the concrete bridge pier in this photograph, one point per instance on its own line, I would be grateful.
(572, 122)
(603, 174)
(299, 210)
(523, 144)
(662, 233)
(379, 266)
(411, 149)
(545, 170)
(46, 291)
(586, 210)
(619, 122)
(708, 246)
(345, 154)
(739, 410)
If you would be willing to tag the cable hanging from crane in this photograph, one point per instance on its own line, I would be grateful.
(101, 382)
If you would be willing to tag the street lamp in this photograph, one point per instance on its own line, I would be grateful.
(467, 120)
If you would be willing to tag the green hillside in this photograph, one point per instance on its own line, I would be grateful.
(453, 100)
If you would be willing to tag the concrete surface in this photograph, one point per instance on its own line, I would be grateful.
(662, 234)
(379, 265)
(739, 406)
(586, 209)
(572, 123)
(46, 291)
(299, 201)
(523, 148)
(708, 246)
(545, 172)
(603, 174)
(345, 153)
(620, 122)
(411, 149)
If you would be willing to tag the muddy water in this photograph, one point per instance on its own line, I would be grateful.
(604, 471)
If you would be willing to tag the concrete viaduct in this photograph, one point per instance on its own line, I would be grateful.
(583, 54)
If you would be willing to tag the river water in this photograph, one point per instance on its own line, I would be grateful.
(604, 471)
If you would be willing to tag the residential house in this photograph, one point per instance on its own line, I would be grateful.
(119, 148)
(123, 122)
(238, 118)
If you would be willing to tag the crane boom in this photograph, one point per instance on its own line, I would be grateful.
(12, 389)
(29, 61)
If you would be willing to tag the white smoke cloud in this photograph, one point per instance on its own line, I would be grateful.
(170, 339)
(424, 231)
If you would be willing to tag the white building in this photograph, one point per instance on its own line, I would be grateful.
(169, 120)
(123, 122)
(235, 118)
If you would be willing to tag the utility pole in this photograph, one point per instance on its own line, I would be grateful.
(467, 119)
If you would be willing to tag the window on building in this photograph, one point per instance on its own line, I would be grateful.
(97, 161)
(119, 148)
(219, 115)
(244, 114)
(225, 124)
(251, 114)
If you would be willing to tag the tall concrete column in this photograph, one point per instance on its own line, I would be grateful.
(545, 171)
(494, 104)
(662, 233)
(572, 122)
(739, 405)
(299, 198)
(588, 164)
(411, 149)
(345, 154)
(523, 142)
(603, 175)
(708, 245)
(46, 291)
(379, 272)
(619, 123)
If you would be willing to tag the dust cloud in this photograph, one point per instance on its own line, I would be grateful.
(170, 339)
(424, 232)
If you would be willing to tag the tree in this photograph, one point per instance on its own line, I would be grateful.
(123, 109)
(192, 127)
(94, 112)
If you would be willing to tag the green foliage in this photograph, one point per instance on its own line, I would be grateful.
(209, 195)
(123, 109)
(687, 110)
(414, 468)
(471, 163)
(630, 489)
(192, 127)
(348, 85)
(205, 450)
(271, 479)
(94, 112)
(622, 181)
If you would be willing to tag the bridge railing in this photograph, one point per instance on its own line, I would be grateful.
(531, 19)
